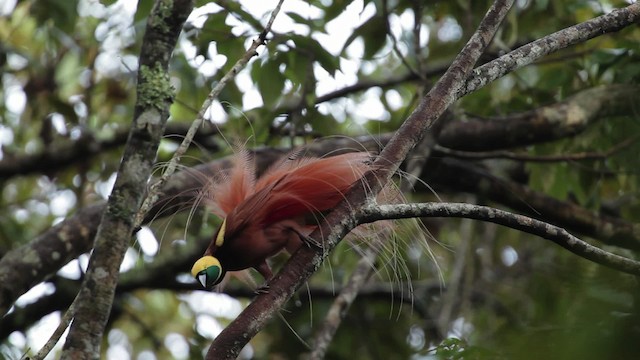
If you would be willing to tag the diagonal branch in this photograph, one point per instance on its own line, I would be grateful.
(527, 54)
(306, 261)
(543, 124)
(523, 223)
(340, 306)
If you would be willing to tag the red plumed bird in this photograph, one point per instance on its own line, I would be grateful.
(263, 216)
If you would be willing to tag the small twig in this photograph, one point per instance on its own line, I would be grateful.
(523, 223)
(417, 26)
(538, 158)
(57, 333)
(454, 283)
(154, 190)
(340, 306)
(394, 41)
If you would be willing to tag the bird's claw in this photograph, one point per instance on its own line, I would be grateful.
(262, 289)
(310, 242)
(307, 240)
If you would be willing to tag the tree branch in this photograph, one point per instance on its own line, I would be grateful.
(527, 54)
(560, 120)
(544, 124)
(523, 223)
(57, 156)
(32, 263)
(60, 156)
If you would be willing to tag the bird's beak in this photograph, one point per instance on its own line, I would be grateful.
(202, 278)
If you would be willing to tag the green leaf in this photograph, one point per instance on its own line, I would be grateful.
(335, 9)
(299, 18)
(297, 67)
(323, 124)
(62, 13)
(270, 82)
(373, 33)
(215, 28)
(143, 10)
(235, 8)
(311, 48)
(233, 49)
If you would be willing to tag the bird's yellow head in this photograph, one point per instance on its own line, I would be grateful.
(208, 271)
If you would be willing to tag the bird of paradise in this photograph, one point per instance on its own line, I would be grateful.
(263, 216)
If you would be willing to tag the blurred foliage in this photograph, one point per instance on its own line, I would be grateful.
(68, 75)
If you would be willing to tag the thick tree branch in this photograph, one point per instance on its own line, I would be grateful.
(57, 156)
(32, 263)
(306, 261)
(154, 95)
(60, 156)
(526, 224)
(560, 120)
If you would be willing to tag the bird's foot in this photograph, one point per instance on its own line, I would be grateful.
(307, 240)
(262, 289)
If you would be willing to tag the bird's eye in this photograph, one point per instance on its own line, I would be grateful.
(213, 276)
(208, 271)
